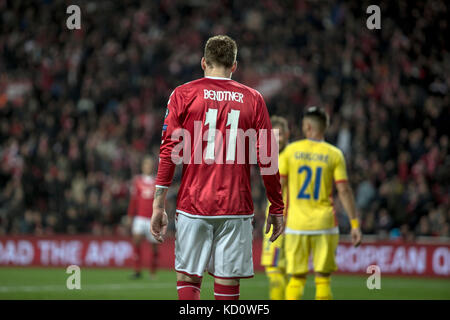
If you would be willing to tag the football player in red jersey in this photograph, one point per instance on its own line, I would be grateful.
(139, 214)
(214, 122)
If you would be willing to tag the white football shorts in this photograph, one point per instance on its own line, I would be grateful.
(221, 246)
(141, 226)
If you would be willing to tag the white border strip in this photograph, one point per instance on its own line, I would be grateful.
(181, 287)
(217, 78)
(158, 186)
(189, 273)
(226, 295)
(190, 215)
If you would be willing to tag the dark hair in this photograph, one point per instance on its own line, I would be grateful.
(317, 114)
(220, 51)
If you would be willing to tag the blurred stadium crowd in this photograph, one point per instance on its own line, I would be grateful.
(79, 108)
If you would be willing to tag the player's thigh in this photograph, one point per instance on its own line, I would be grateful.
(231, 253)
(324, 252)
(297, 249)
(273, 252)
(193, 242)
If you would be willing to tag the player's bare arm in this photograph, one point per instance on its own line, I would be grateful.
(159, 220)
(346, 196)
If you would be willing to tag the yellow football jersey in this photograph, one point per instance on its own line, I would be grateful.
(311, 167)
(273, 252)
(280, 156)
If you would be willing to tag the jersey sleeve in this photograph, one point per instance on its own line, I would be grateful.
(265, 141)
(166, 167)
(340, 171)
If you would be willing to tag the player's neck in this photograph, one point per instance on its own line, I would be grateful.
(315, 137)
(218, 73)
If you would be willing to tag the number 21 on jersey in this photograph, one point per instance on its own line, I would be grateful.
(309, 176)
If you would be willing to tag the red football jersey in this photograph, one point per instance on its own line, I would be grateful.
(205, 111)
(142, 191)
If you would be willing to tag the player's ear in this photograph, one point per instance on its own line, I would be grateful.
(203, 63)
(234, 67)
(305, 126)
(287, 134)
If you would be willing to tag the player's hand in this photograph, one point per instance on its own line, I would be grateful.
(278, 226)
(356, 237)
(158, 224)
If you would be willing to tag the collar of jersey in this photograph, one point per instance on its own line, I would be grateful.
(217, 78)
(314, 140)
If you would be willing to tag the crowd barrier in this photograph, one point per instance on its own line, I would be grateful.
(392, 257)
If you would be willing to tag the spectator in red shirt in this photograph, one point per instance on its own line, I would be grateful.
(140, 211)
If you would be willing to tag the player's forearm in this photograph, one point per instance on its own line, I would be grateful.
(348, 202)
(166, 166)
(273, 191)
(159, 199)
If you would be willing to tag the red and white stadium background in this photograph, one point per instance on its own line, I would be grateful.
(393, 258)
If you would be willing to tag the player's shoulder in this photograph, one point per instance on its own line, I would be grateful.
(185, 90)
(235, 86)
(200, 82)
(230, 83)
(301, 144)
(296, 144)
(292, 146)
(283, 152)
(243, 87)
(256, 96)
(333, 152)
(332, 148)
(187, 86)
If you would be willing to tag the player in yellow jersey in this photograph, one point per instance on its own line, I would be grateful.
(309, 168)
(272, 257)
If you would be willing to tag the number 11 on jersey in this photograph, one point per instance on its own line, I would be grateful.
(232, 121)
